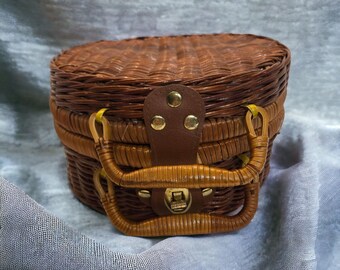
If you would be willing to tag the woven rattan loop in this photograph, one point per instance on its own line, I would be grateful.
(186, 176)
(106, 131)
(255, 110)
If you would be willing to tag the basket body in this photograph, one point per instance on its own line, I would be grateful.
(114, 154)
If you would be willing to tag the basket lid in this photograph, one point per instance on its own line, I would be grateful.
(226, 69)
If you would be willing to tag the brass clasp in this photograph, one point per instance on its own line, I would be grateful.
(177, 200)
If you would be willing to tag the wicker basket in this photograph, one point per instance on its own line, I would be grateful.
(170, 135)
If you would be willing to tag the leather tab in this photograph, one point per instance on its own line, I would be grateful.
(174, 144)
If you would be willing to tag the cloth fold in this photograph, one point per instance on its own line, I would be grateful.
(291, 229)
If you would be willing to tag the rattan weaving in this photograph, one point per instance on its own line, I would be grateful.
(110, 154)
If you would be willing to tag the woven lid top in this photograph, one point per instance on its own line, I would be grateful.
(172, 59)
(110, 71)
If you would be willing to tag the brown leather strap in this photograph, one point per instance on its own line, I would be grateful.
(174, 144)
(174, 141)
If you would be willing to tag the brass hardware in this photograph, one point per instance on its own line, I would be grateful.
(253, 109)
(191, 122)
(177, 200)
(245, 159)
(206, 192)
(143, 193)
(158, 122)
(99, 115)
(174, 99)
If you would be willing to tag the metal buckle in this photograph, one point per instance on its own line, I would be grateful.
(177, 200)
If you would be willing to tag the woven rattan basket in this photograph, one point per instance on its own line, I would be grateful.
(170, 135)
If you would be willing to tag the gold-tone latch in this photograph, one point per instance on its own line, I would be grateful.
(177, 200)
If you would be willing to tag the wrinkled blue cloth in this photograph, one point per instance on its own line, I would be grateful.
(42, 226)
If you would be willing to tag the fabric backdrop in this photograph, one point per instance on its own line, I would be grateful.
(42, 226)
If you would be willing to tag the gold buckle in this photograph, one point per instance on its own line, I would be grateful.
(177, 200)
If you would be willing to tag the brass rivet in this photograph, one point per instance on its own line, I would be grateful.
(174, 99)
(158, 122)
(143, 193)
(191, 122)
(206, 192)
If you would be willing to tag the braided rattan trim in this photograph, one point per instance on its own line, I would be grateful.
(129, 131)
(139, 156)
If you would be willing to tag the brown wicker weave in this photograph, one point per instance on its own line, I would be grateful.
(108, 170)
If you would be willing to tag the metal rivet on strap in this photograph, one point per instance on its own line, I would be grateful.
(145, 194)
(174, 99)
(206, 192)
(191, 122)
(158, 122)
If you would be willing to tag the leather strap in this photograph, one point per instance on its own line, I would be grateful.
(174, 144)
